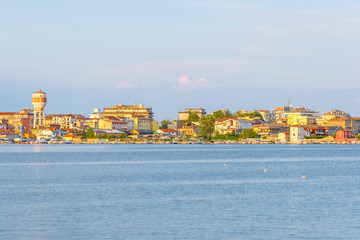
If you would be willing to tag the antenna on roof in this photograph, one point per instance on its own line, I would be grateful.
(289, 103)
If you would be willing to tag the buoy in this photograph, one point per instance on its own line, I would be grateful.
(303, 177)
(225, 164)
(265, 170)
(47, 160)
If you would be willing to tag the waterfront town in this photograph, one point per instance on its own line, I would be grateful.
(136, 124)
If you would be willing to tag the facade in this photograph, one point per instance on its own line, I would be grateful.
(65, 121)
(155, 126)
(166, 133)
(269, 129)
(141, 122)
(189, 129)
(140, 116)
(16, 120)
(175, 125)
(227, 125)
(183, 116)
(301, 116)
(140, 133)
(280, 112)
(128, 111)
(344, 136)
(45, 134)
(355, 125)
(284, 137)
(326, 117)
(96, 113)
(345, 123)
(297, 134)
(315, 130)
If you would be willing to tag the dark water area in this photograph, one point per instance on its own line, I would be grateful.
(179, 192)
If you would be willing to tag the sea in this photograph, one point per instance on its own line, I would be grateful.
(179, 191)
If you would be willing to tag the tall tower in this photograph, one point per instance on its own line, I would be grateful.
(39, 102)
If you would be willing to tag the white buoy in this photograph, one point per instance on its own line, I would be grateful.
(265, 170)
(303, 177)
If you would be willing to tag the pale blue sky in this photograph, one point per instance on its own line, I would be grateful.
(180, 53)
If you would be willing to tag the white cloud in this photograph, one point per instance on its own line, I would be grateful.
(186, 84)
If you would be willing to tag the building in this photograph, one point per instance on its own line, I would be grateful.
(96, 113)
(113, 124)
(280, 112)
(128, 111)
(265, 114)
(326, 117)
(355, 125)
(301, 116)
(227, 126)
(16, 120)
(297, 134)
(269, 129)
(39, 102)
(140, 133)
(175, 125)
(189, 129)
(167, 133)
(183, 116)
(155, 126)
(345, 123)
(333, 129)
(344, 136)
(141, 117)
(65, 121)
(315, 130)
(284, 137)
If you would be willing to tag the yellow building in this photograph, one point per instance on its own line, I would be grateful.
(142, 123)
(68, 137)
(155, 126)
(105, 124)
(128, 111)
(326, 117)
(301, 116)
(183, 116)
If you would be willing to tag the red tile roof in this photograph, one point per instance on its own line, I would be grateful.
(7, 113)
(339, 119)
(167, 130)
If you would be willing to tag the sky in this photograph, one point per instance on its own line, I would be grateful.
(172, 55)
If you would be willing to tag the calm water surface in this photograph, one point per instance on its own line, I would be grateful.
(179, 192)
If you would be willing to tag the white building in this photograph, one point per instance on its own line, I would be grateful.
(297, 134)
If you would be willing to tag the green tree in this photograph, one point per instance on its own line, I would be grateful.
(122, 135)
(358, 136)
(193, 117)
(164, 124)
(104, 136)
(248, 133)
(218, 114)
(207, 125)
(89, 133)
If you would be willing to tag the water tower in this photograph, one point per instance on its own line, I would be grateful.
(39, 102)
